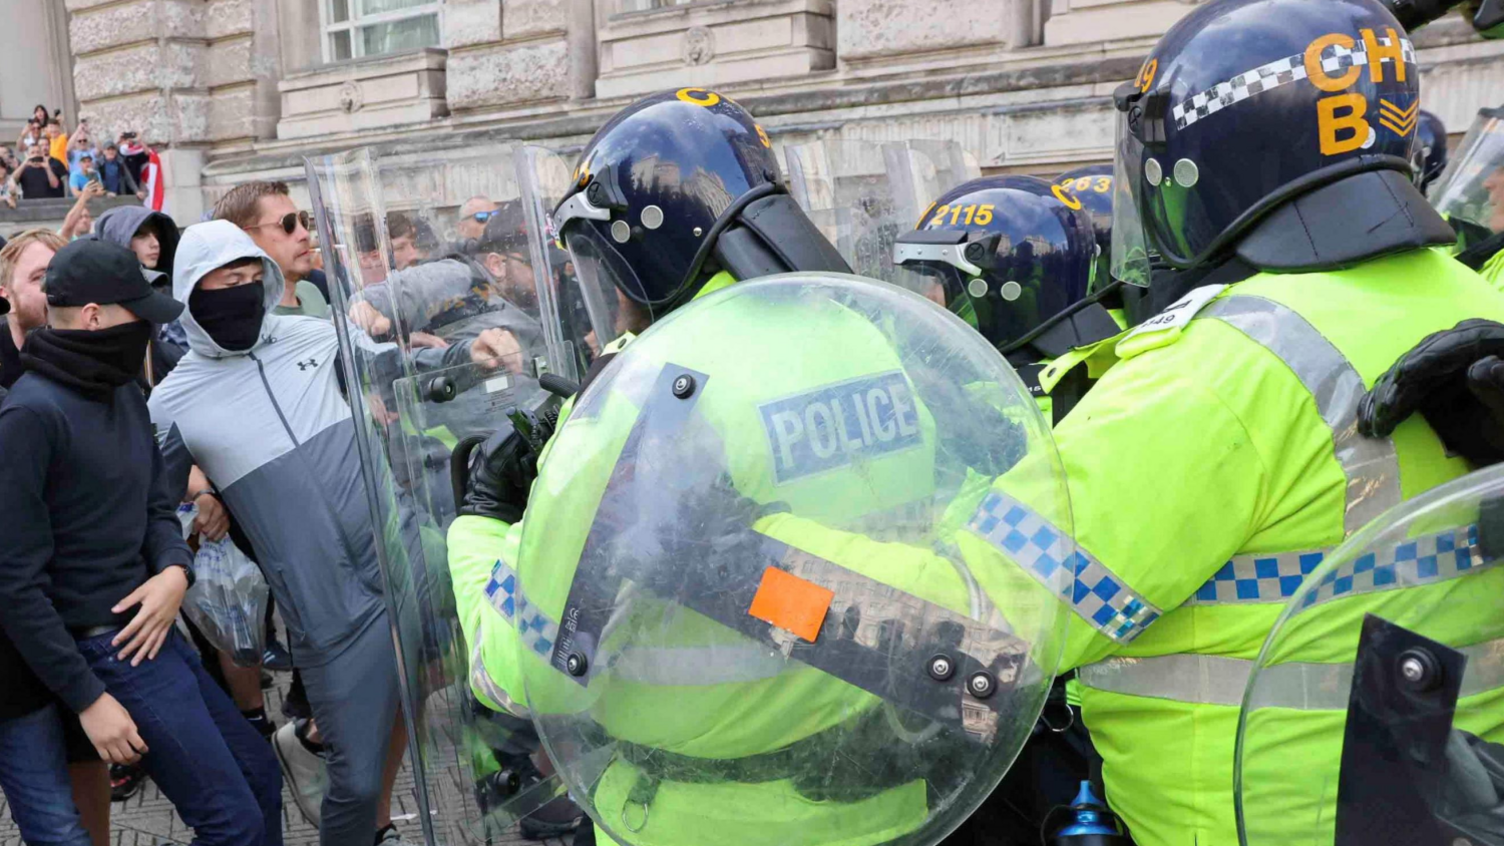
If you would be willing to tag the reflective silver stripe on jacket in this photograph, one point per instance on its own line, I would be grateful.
(1370, 464)
(1216, 680)
(481, 680)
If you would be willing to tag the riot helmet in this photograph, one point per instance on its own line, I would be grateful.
(1429, 158)
(1091, 186)
(675, 188)
(1015, 257)
(1276, 131)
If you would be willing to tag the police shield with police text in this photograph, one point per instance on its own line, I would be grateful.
(723, 609)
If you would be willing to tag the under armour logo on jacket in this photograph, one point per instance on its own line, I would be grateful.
(304, 365)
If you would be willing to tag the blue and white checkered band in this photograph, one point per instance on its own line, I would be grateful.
(1334, 60)
(1258, 577)
(537, 631)
(1277, 577)
(1424, 560)
(1044, 552)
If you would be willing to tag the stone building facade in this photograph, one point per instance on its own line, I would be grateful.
(231, 90)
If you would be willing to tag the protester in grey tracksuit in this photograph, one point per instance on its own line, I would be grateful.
(271, 426)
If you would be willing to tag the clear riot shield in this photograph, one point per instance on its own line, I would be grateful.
(442, 344)
(864, 194)
(577, 318)
(791, 574)
(1375, 711)
(1470, 192)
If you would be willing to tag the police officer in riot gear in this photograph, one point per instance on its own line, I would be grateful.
(1017, 263)
(802, 407)
(654, 219)
(1091, 187)
(1223, 403)
(1430, 156)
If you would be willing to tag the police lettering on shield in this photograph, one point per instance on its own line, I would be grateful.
(833, 425)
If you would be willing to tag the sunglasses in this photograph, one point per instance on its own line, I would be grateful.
(290, 222)
(482, 217)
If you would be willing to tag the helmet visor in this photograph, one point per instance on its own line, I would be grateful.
(1130, 248)
(1470, 194)
(608, 290)
(1003, 302)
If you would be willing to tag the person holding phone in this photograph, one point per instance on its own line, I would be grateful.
(80, 144)
(85, 176)
(40, 175)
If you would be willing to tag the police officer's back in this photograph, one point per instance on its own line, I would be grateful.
(1218, 459)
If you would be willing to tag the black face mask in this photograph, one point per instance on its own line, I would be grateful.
(94, 362)
(231, 316)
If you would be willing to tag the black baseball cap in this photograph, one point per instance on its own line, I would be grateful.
(93, 271)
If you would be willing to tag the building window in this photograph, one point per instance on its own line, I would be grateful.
(357, 28)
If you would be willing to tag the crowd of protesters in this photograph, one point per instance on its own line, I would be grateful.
(148, 371)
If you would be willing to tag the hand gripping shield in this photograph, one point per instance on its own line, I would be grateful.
(864, 194)
(767, 590)
(425, 263)
(1375, 711)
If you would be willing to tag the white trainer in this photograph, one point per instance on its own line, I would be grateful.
(305, 772)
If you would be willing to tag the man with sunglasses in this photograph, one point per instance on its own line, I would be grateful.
(474, 215)
(266, 212)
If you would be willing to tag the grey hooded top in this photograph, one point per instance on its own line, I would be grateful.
(271, 428)
(119, 226)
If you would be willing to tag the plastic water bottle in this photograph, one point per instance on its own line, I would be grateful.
(1092, 823)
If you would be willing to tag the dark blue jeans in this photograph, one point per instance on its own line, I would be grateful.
(34, 776)
(210, 763)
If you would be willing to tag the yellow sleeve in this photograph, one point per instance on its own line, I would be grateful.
(482, 550)
(1166, 483)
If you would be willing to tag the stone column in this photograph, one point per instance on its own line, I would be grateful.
(242, 66)
(140, 65)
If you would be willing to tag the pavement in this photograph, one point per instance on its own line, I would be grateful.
(148, 819)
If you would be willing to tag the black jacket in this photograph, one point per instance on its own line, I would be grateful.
(22, 692)
(10, 357)
(88, 519)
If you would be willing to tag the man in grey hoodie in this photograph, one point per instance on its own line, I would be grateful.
(259, 404)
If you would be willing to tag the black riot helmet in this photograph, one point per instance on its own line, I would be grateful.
(1276, 131)
(1091, 187)
(1429, 158)
(1015, 261)
(672, 190)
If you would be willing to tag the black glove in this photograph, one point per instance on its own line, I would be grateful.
(502, 471)
(1455, 379)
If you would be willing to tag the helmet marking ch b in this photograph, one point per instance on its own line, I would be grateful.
(1246, 104)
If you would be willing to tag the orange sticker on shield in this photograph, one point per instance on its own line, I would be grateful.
(791, 603)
